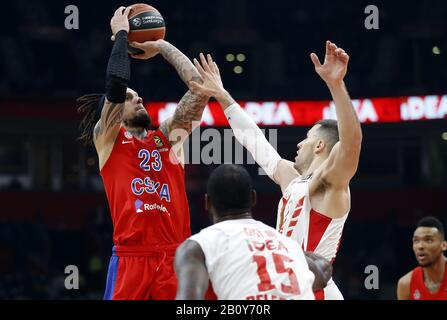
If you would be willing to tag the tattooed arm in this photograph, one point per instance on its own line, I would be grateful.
(117, 79)
(186, 118)
(106, 130)
(109, 124)
(191, 106)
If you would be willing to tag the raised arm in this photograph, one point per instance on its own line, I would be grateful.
(244, 128)
(117, 79)
(343, 160)
(190, 268)
(190, 108)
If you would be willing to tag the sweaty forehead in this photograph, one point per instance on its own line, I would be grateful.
(426, 232)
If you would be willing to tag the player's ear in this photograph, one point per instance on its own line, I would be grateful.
(444, 246)
(320, 146)
(254, 198)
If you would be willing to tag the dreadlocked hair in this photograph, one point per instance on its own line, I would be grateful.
(88, 106)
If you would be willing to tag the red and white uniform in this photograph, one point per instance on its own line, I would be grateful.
(418, 290)
(312, 230)
(145, 189)
(248, 260)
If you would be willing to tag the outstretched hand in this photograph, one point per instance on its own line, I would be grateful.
(335, 65)
(209, 72)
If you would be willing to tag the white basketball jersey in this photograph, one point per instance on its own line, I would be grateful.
(312, 230)
(248, 260)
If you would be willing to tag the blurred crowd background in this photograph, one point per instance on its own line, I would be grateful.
(53, 210)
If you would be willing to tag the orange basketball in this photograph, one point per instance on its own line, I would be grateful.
(146, 23)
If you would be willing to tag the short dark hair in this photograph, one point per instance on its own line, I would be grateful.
(431, 222)
(329, 131)
(230, 189)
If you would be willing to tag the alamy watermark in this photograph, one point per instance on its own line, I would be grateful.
(72, 279)
(211, 146)
(372, 20)
(372, 280)
(72, 20)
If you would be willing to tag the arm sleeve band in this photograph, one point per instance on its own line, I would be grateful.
(118, 70)
(251, 137)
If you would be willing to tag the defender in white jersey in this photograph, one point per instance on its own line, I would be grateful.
(316, 198)
(244, 259)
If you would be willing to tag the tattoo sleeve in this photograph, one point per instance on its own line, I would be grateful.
(188, 111)
(191, 106)
(111, 116)
(186, 70)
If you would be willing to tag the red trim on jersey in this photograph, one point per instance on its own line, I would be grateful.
(296, 214)
(418, 290)
(284, 203)
(318, 224)
(319, 295)
(210, 294)
(293, 223)
(298, 208)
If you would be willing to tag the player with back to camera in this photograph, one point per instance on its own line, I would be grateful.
(428, 281)
(316, 198)
(143, 180)
(243, 258)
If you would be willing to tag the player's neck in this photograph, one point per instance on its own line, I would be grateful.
(246, 215)
(139, 133)
(436, 271)
(313, 167)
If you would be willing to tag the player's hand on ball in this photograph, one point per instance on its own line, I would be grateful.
(120, 21)
(335, 65)
(150, 48)
(209, 71)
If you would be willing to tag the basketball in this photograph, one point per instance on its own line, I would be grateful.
(145, 24)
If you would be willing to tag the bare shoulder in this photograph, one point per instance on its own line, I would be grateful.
(332, 200)
(403, 286)
(109, 124)
(98, 143)
(103, 144)
(165, 127)
(189, 250)
(406, 279)
(285, 173)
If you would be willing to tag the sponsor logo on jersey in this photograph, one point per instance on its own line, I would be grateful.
(158, 141)
(138, 204)
(140, 207)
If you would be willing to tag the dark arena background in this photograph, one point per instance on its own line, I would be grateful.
(53, 209)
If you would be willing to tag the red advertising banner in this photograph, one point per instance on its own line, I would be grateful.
(266, 113)
(305, 113)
